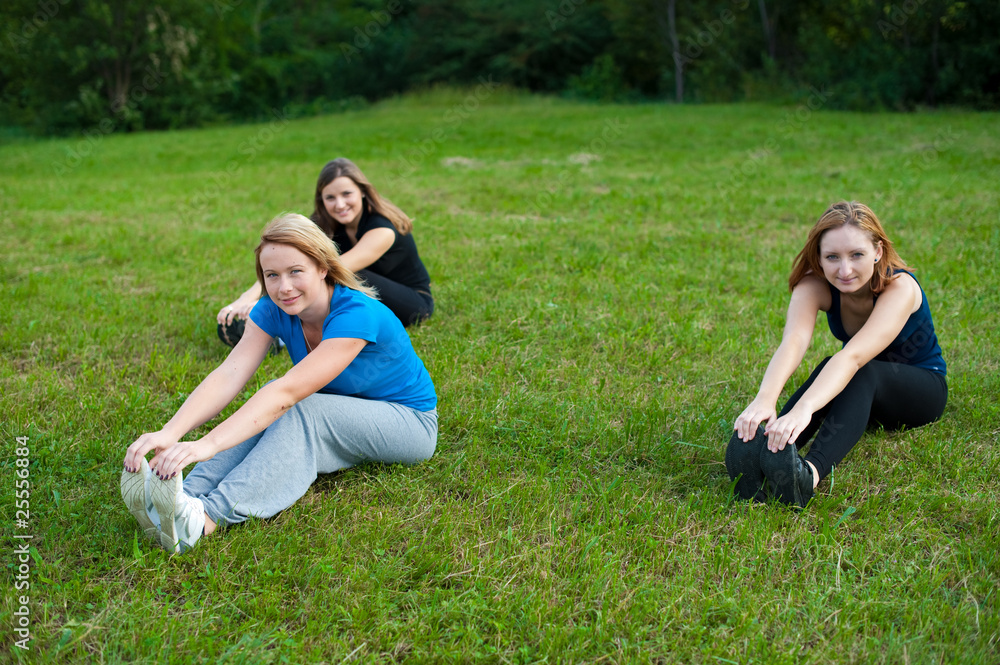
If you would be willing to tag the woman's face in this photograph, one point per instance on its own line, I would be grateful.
(343, 200)
(848, 257)
(293, 280)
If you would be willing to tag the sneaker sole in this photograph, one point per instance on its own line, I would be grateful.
(779, 468)
(133, 487)
(743, 461)
(164, 494)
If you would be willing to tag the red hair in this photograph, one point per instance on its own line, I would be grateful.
(860, 216)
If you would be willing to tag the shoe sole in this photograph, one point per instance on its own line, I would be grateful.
(164, 494)
(133, 487)
(779, 468)
(743, 462)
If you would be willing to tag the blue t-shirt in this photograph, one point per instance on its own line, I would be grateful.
(387, 369)
(916, 344)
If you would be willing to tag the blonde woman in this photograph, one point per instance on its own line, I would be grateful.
(356, 392)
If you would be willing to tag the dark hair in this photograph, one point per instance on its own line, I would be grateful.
(373, 201)
(858, 215)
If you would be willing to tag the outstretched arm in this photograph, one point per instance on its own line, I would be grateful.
(894, 306)
(806, 301)
(211, 396)
(319, 368)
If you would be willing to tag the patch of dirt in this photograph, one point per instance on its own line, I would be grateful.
(583, 158)
(464, 162)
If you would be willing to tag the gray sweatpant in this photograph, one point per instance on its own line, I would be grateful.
(323, 433)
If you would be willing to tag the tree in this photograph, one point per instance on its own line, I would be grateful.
(770, 25)
(669, 26)
(104, 61)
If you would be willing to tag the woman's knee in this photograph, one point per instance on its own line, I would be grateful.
(867, 370)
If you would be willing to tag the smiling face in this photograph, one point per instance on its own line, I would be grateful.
(293, 280)
(848, 257)
(343, 200)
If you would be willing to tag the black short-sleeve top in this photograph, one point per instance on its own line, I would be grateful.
(917, 343)
(401, 263)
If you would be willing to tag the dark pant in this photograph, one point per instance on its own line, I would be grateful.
(881, 393)
(409, 305)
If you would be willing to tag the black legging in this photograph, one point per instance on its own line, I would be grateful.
(409, 305)
(890, 394)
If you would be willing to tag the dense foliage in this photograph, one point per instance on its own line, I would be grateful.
(118, 65)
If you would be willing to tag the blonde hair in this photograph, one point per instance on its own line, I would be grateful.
(298, 231)
(373, 201)
(858, 215)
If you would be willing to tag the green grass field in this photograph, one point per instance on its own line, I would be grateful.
(610, 283)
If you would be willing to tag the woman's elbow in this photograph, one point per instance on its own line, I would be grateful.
(284, 395)
(851, 360)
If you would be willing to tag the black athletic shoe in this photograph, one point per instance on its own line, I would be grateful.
(233, 333)
(789, 475)
(743, 463)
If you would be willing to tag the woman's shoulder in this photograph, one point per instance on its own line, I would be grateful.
(811, 278)
(903, 285)
(349, 307)
(362, 314)
(814, 290)
(265, 304)
(905, 276)
(269, 316)
(346, 299)
(343, 296)
(376, 220)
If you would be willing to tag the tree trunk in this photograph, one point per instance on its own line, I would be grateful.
(935, 67)
(678, 59)
(770, 30)
(118, 72)
(669, 29)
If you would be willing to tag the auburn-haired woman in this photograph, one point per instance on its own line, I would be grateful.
(356, 392)
(376, 242)
(890, 370)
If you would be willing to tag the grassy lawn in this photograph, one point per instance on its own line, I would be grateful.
(610, 283)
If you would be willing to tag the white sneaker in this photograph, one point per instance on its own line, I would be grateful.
(182, 517)
(137, 497)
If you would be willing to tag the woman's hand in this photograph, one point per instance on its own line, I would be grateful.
(169, 462)
(157, 441)
(238, 309)
(758, 412)
(787, 428)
